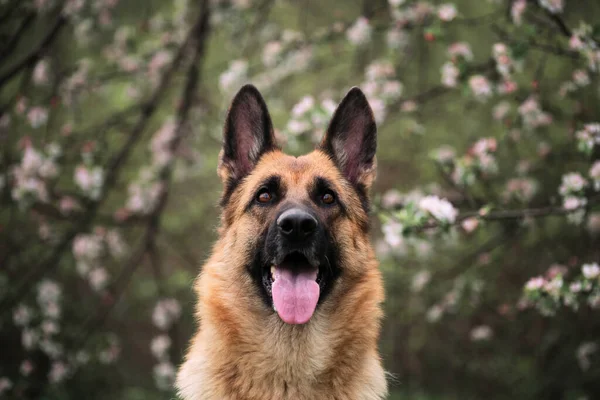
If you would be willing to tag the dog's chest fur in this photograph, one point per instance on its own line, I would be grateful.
(240, 353)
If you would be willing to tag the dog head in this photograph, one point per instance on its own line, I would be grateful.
(299, 224)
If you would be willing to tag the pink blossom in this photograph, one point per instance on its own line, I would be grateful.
(523, 189)
(159, 60)
(461, 49)
(48, 292)
(391, 199)
(420, 280)
(161, 144)
(379, 109)
(360, 32)
(379, 71)
(22, 315)
(68, 204)
(593, 224)
(507, 86)
(5, 385)
(409, 106)
(271, 53)
(58, 372)
(160, 345)
(554, 6)
(166, 312)
(116, 244)
(87, 246)
(53, 349)
(516, 11)
(480, 87)
(483, 146)
(533, 116)
(26, 368)
(501, 110)
(143, 197)
(535, 283)
(40, 73)
(581, 77)
(447, 12)
(481, 333)
(440, 209)
(555, 270)
(164, 374)
(31, 162)
(391, 90)
(590, 271)
(396, 38)
(572, 183)
(396, 3)
(575, 42)
(50, 327)
(470, 224)
(573, 202)
(89, 180)
(392, 231)
(444, 154)
(450, 74)
(98, 278)
(303, 106)
(575, 287)
(234, 76)
(37, 116)
(434, 313)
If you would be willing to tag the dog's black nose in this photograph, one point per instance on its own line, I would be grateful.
(296, 224)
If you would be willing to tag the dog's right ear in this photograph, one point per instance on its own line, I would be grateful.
(247, 135)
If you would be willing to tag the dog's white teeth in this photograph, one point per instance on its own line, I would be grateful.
(274, 308)
(272, 272)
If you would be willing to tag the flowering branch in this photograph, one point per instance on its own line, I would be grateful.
(199, 35)
(486, 215)
(37, 53)
(113, 171)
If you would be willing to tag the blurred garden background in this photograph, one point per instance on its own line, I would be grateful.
(487, 203)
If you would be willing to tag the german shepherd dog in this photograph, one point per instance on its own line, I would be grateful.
(289, 301)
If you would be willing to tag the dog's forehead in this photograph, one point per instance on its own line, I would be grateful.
(297, 169)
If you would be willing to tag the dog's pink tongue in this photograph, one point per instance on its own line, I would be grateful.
(295, 294)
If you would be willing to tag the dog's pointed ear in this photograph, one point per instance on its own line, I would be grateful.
(351, 139)
(247, 135)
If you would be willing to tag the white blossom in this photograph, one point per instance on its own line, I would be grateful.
(481, 333)
(22, 315)
(447, 12)
(554, 6)
(480, 86)
(590, 271)
(58, 372)
(166, 312)
(440, 209)
(360, 32)
(160, 345)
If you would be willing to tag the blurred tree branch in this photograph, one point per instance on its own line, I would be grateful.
(198, 37)
(113, 170)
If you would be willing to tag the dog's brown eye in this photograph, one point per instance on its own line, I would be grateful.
(264, 196)
(328, 198)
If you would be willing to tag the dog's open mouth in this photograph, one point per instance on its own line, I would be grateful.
(294, 286)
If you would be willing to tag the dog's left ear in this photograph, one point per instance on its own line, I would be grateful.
(247, 135)
(351, 139)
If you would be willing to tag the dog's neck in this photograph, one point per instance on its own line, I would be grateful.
(335, 349)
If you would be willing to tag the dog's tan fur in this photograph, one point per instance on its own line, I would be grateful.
(243, 350)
